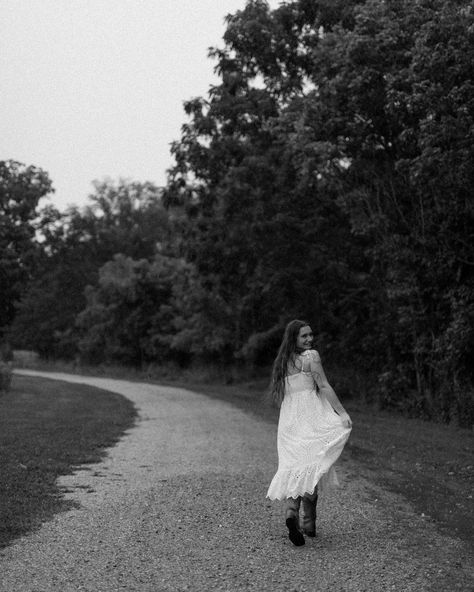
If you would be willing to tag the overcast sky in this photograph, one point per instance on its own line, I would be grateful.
(95, 88)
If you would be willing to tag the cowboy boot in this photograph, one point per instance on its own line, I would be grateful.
(309, 514)
(292, 521)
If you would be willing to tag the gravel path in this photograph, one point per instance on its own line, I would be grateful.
(179, 504)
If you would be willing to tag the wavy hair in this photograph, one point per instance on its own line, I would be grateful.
(285, 356)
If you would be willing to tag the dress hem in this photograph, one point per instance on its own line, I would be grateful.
(323, 480)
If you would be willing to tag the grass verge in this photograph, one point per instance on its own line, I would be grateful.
(47, 429)
(431, 465)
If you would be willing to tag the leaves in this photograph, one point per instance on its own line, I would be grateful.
(21, 188)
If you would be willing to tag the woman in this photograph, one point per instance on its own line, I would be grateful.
(312, 430)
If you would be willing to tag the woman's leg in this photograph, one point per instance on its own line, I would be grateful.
(292, 521)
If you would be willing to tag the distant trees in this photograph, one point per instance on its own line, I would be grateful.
(124, 217)
(129, 317)
(327, 176)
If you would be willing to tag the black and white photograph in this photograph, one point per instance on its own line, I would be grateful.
(237, 296)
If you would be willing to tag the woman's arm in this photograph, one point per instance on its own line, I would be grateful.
(319, 376)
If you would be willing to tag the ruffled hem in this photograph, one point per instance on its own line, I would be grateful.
(299, 482)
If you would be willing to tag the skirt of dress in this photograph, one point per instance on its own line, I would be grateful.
(311, 437)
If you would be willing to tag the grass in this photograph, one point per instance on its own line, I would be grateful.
(47, 429)
(431, 465)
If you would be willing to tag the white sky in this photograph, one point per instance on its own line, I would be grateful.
(95, 88)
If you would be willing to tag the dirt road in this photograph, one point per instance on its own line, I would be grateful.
(179, 504)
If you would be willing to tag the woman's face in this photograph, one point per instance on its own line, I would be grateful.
(304, 340)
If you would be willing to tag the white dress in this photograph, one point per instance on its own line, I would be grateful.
(310, 438)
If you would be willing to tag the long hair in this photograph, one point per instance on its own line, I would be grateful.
(285, 356)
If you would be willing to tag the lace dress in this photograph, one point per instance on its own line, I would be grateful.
(310, 438)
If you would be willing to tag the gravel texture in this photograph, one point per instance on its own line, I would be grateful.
(179, 504)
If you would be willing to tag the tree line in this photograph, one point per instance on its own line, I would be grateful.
(327, 176)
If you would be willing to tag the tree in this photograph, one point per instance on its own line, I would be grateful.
(21, 188)
(264, 245)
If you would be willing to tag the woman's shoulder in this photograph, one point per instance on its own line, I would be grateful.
(312, 354)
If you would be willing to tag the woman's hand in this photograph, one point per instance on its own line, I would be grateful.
(346, 420)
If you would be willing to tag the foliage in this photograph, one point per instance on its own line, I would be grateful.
(21, 188)
(328, 176)
(403, 89)
(124, 217)
(129, 314)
